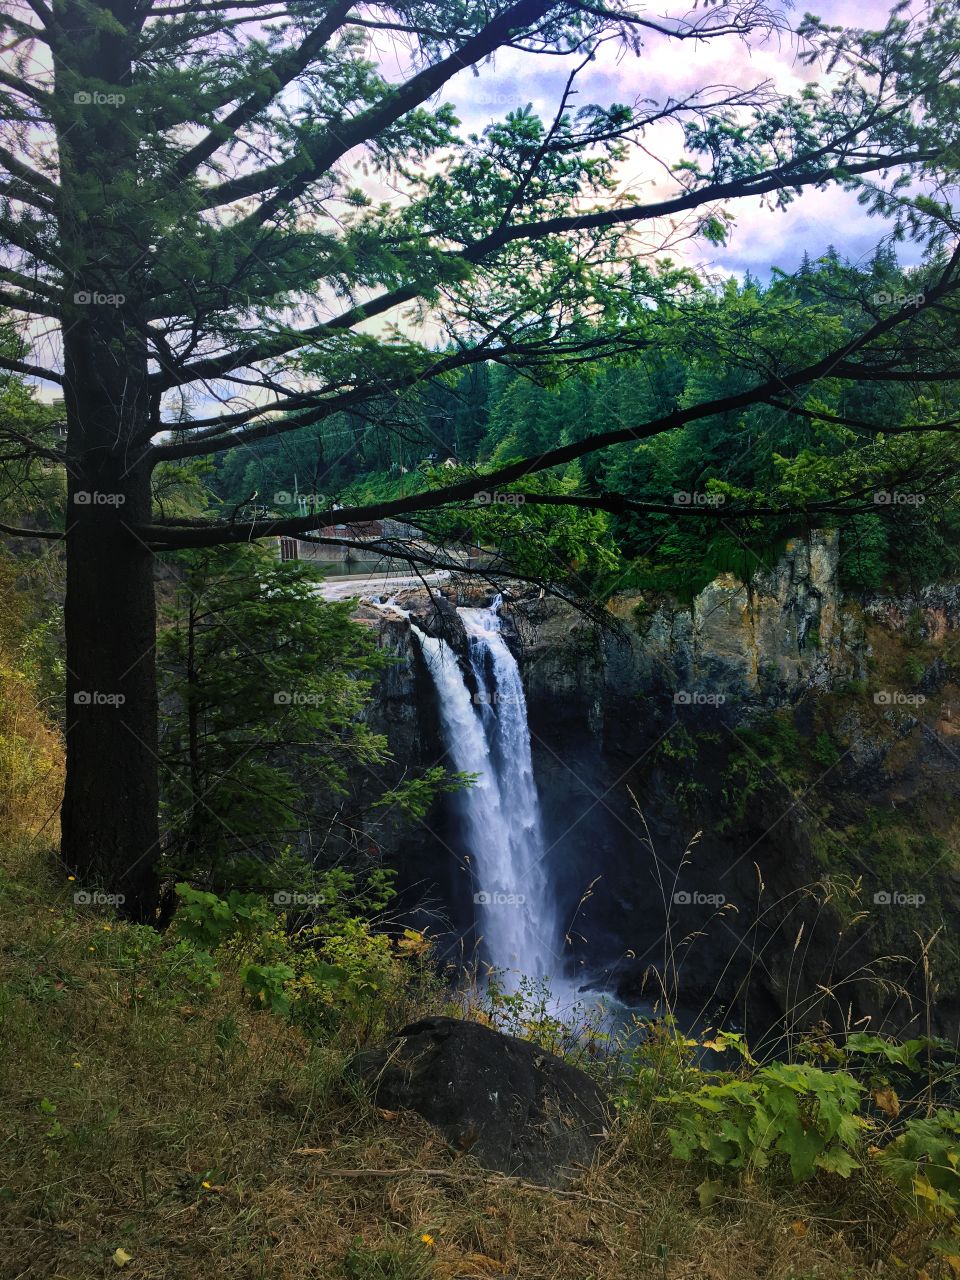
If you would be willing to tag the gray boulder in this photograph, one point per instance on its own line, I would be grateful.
(510, 1105)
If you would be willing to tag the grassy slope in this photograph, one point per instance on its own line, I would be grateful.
(124, 1091)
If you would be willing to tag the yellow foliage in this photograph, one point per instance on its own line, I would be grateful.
(887, 1100)
(413, 943)
(31, 750)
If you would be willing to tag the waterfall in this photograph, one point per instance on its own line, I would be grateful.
(487, 734)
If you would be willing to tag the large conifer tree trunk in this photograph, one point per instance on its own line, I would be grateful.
(109, 822)
(110, 833)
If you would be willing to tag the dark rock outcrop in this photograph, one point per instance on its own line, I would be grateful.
(510, 1105)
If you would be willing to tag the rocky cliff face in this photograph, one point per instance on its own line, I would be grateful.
(742, 647)
(719, 780)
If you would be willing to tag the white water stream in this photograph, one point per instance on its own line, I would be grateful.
(487, 734)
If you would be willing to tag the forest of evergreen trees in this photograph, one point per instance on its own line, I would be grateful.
(782, 453)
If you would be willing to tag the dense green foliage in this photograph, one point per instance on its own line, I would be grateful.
(319, 960)
(265, 685)
(793, 1110)
(799, 462)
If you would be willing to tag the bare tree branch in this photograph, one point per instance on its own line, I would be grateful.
(32, 371)
(47, 535)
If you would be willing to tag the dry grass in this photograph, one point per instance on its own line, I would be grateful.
(31, 749)
(200, 1137)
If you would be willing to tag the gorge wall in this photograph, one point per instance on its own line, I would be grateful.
(754, 799)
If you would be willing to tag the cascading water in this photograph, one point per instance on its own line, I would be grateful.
(488, 735)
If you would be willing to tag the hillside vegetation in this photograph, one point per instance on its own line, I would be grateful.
(158, 1123)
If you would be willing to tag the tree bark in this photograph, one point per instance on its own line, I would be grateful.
(110, 834)
(109, 824)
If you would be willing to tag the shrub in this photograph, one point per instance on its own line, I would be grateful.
(207, 920)
(806, 1116)
(311, 967)
(924, 1162)
(823, 752)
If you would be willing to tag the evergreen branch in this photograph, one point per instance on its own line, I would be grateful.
(475, 253)
(275, 78)
(292, 176)
(17, 85)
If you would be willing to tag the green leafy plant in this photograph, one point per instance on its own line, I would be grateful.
(924, 1162)
(790, 1113)
(208, 921)
(266, 983)
(904, 1053)
(658, 1056)
(313, 962)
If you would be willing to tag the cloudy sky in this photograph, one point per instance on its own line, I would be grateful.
(762, 238)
